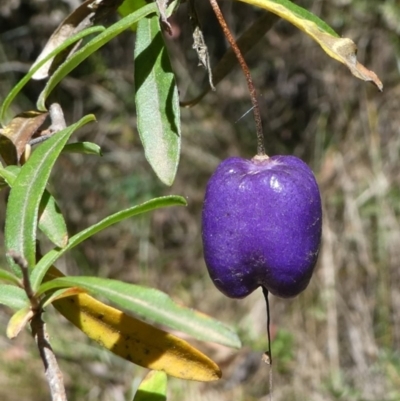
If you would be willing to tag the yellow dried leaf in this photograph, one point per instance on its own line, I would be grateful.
(18, 321)
(341, 49)
(134, 340)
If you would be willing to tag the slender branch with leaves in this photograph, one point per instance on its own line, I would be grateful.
(31, 144)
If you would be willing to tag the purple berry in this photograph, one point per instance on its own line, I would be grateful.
(262, 222)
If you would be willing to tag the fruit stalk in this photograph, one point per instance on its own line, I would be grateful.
(246, 71)
(269, 352)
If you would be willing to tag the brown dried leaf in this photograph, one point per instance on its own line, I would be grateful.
(345, 51)
(18, 133)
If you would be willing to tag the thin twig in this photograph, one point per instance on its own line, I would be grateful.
(57, 124)
(52, 371)
(26, 283)
(246, 71)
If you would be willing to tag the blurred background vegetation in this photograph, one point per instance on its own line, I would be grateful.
(340, 339)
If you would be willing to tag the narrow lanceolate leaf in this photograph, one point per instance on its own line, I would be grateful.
(152, 388)
(50, 257)
(12, 296)
(137, 341)
(153, 305)
(83, 53)
(341, 49)
(26, 194)
(157, 101)
(18, 321)
(17, 88)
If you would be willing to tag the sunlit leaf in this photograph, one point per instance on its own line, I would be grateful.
(152, 304)
(157, 100)
(137, 341)
(47, 260)
(341, 49)
(152, 388)
(26, 194)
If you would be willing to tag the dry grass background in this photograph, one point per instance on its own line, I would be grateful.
(340, 339)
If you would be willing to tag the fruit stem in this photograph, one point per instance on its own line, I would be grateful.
(266, 293)
(268, 354)
(246, 71)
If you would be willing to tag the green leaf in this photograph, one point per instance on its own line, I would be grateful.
(12, 296)
(17, 88)
(151, 304)
(157, 100)
(51, 221)
(26, 194)
(87, 148)
(341, 49)
(82, 54)
(5, 275)
(153, 387)
(47, 260)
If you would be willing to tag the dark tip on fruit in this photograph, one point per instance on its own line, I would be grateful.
(262, 222)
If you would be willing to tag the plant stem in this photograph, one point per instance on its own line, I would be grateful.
(26, 283)
(246, 71)
(265, 292)
(52, 371)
